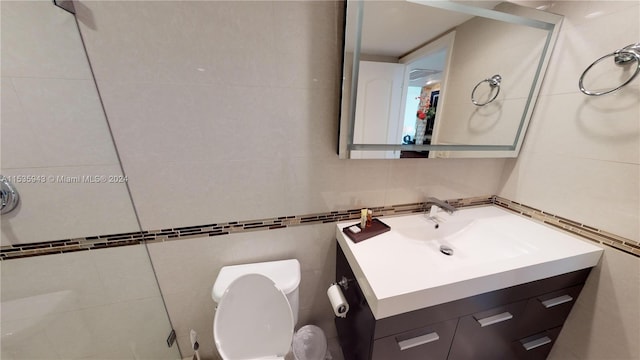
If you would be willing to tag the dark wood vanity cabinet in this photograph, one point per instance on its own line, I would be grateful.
(519, 322)
(428, 342)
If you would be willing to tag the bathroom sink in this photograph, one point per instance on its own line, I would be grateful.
(423, 229)
(473, 251)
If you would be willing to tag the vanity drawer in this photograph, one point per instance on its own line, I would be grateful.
(427, 343)
(487, 334)
(535, 347)
(547, 311)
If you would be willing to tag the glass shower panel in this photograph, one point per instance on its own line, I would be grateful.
(69, 290)
(101, 304)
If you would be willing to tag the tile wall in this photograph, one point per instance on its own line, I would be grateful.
(584, 150)
(53, 132)
(228, 110)
(25, 250)
(581, 160)
(234, 108)
(187, 288)
(91, 304)
(53, 127)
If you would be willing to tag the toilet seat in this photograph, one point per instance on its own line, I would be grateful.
(253, 320)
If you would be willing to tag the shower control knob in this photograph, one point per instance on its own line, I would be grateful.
(9, 197)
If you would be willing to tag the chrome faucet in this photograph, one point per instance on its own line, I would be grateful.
(439, 203)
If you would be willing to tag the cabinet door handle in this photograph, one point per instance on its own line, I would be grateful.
(495, 319)
(556, 301)
(530, 345)
(418, 340)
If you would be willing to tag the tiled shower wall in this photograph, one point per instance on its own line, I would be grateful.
(53, 125)
(581, 160)
(90, 304)
(83, 305)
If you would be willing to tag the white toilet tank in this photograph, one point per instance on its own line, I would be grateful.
(284, 273)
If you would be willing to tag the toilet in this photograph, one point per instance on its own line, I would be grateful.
(253, 320)
(257, 309)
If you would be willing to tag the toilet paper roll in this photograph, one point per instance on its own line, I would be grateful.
(338, 302)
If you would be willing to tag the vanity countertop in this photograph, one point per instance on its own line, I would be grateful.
(404, 270)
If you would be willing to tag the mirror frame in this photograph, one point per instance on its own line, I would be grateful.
(546, 21)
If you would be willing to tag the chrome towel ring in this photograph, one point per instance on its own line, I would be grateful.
(621, 57)
(494, 82)
(9, 197)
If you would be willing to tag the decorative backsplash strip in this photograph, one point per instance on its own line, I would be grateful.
(576, 228)
(232, 227)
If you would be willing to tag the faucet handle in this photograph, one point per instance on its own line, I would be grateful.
(441, 204)
(433, 211)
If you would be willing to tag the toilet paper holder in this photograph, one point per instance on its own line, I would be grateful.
(344, 282)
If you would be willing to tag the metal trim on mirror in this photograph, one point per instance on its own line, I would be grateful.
(355, 13)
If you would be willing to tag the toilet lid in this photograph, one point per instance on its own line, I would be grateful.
(253, 320)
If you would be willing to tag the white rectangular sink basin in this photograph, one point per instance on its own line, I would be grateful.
(404, 270)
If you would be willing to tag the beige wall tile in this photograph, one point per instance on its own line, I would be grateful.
(21, 347)
(67, 121)
(53, 124)
(234, 52)
(307, 57)
(580, 161)
(602, 194)
(575, 125)
(604, 322)
(33, 30)
(87, 304)
(187, 270)
(125, 273)
(19, 144)
(56, 275)
(588, 32)
(89, 208)
(582, 152)
(130, 329)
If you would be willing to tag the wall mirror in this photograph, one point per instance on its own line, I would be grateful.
(440, 79)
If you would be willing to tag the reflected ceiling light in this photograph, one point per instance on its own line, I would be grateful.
(416, 74)
(593, 15)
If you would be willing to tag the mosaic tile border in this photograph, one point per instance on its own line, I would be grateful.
(585, 231)
(232, 227)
